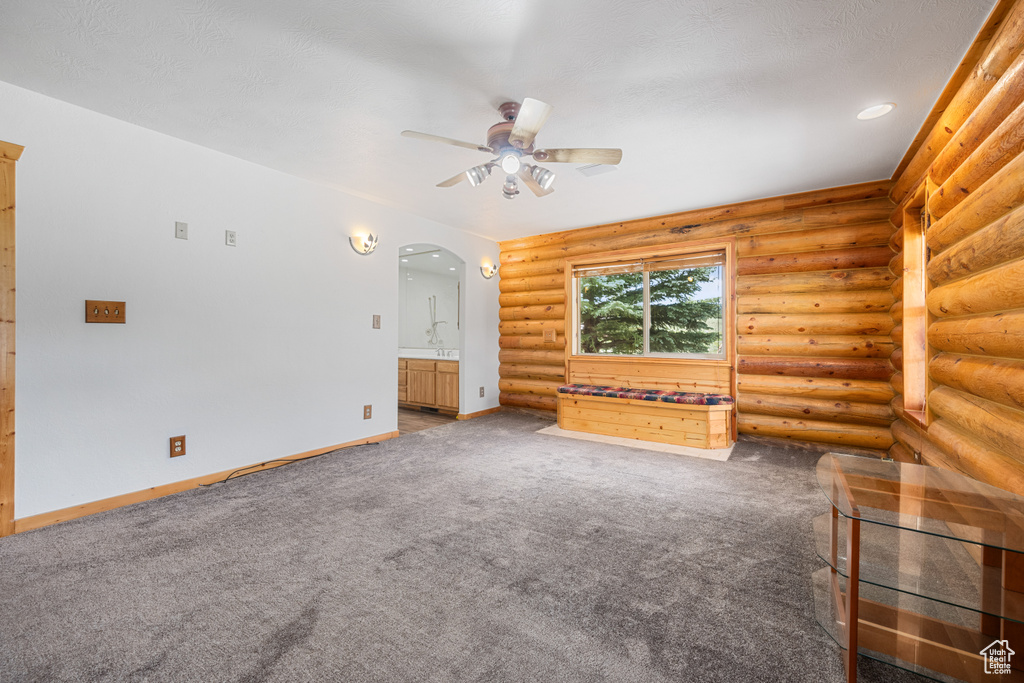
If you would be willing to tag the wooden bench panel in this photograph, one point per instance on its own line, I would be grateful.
(671, 423)
(706, 377)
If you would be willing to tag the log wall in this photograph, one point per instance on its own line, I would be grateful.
(814, 296)
(972, 168)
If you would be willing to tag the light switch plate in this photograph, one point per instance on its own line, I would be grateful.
(181, 230)
(376, 322)
(104, 311)
(230, 239)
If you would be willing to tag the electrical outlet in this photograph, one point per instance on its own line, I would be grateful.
(177, 446)
(181, 230)
(376, 322)
(230, 239)
(367, 412)
(481, 392)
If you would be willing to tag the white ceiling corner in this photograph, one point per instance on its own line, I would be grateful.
(712, 101)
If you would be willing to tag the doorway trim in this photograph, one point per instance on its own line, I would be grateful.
(9, 155)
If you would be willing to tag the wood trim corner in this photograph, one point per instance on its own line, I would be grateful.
(479, 413)
(9, 155)
(86, 509)
(10, 151)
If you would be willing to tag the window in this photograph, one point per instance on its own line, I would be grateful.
(658, 306)
(916, 351)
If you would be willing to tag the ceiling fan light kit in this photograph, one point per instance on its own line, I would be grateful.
(510, 141)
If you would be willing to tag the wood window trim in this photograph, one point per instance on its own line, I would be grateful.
(9, 155)
(917, 384)
(727, 245)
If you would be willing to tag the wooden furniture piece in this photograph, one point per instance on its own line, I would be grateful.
(925, 569)
(699, 426)
(429, 384)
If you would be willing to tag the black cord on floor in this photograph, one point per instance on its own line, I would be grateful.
(286, 461)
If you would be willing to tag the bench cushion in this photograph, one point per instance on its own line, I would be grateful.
(690, 398)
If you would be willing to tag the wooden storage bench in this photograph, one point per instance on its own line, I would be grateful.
(700, 420)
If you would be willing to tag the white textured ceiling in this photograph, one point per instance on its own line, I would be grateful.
(712, 101)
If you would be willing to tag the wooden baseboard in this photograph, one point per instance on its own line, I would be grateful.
(86, 509)
(479, 413)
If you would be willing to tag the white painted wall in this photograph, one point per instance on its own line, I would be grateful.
(415, 288)
(253, 352)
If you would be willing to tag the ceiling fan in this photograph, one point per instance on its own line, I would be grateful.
(512, 140)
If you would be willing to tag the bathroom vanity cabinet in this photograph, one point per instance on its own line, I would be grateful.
(429, 384)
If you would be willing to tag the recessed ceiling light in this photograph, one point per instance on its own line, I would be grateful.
(876, 111)
(409, 249)
(436, 255)
(405, 260)
(451, 269)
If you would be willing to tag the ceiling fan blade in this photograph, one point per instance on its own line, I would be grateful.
(528, 179)
(581, 155)
(454, 180)
(448, 141)
(531, 117)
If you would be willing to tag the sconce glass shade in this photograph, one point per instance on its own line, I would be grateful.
(543, 176)
(478, 174)
(511, 187)
(363, 244)
(488, 270)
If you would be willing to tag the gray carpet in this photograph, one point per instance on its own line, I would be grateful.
(476, 551)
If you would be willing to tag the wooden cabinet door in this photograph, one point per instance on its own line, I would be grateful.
(448, 390)
(420, 387)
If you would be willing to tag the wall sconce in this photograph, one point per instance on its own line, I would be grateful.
(363, 244)
(488, 270)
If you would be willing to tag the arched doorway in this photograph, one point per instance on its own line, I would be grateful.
(430, 335)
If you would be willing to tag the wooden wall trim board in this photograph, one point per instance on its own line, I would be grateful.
(479, 413)
(85, 509)
(9, 155)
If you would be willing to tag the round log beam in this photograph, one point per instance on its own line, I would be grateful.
(998, 104)
(998, 380)
(816, 409)
(860, 391)
(998, 195)
(838, 368)
(998, 289)
(997, 243)
(987, 335)
(833, 259)
(840, 346)
(997, 425)
(864, 436)
(527, 401)
(817, 281)
(863, 301)
(548, 312)
(532, 357)
(816, 323)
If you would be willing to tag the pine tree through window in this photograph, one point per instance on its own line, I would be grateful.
(658, 307)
